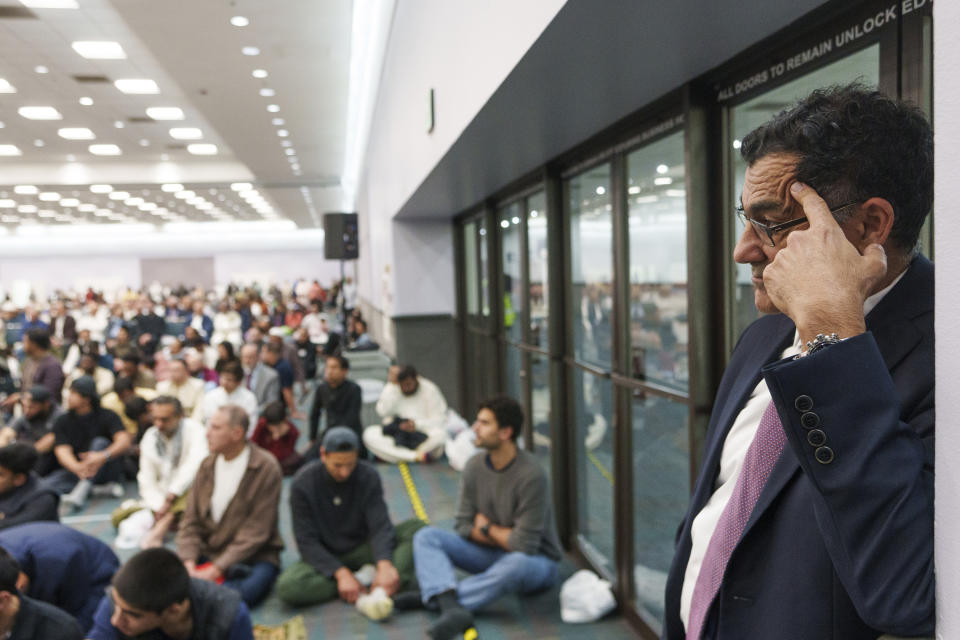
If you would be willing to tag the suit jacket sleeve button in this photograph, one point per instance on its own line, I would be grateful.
(803, 403)
(816, 437)
(810, 420)
(824, 455)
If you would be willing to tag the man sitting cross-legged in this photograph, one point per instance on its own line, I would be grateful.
(229, 530)
(505, 532)
(341, 523)
(153, 597)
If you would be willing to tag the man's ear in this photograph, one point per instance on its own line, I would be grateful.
(19, 479)
(176, 610)
(876, 222)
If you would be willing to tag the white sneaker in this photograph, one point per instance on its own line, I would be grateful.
(112, 489)
(375, 605)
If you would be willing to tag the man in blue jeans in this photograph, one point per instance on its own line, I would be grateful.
(505, 533)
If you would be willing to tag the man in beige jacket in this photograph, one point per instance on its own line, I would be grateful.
(229, 531)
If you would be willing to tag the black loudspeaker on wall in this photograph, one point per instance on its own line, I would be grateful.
(340, 236)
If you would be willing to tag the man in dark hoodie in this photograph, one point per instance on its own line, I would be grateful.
(23, 497)
(23, 618)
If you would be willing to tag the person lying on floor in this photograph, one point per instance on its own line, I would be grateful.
(229, 532)
(153, 596)
(505, 534)
(341, 524)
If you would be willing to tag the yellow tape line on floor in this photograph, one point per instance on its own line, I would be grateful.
(599, 465)
(415, 501)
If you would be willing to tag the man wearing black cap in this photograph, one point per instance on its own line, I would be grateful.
(23, 497)
(341, 523)
(88, 441)
(35, 427)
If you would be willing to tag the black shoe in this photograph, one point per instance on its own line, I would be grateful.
(451, 623)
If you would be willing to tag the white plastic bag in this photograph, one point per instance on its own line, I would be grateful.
(584, 597)
(460, 449)
(133, 528)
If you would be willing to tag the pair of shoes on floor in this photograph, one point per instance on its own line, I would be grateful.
(375, 605)
(112, 489)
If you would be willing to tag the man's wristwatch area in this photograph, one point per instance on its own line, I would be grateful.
(819, 342)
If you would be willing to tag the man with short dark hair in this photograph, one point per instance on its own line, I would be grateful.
(341, 524)
(230, 529)
(35, 427)
(812, 516)
(185, 388)
(124, 390)
(61, 566)
(505, 533)
(88, 365)
(152, 596)
(23, 497)
(130, 367)
(271, 354)
(23, 618)
(41, 367)
(341, 398)
(230, 391)
(150, 327)
(414, 414)
(259, 378)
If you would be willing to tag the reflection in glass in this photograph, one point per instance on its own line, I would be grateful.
(511, 259)
(661, 470)
(863, 65)
(540, 409)
(513, 380)
(470, 266)
(537, 254)
(593, 412)
(484, 268)
(591, 264)
(658, 262)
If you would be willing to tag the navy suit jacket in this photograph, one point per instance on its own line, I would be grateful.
(839, 550)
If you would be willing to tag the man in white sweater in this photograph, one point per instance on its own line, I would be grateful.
(170, 454)
(414, 415)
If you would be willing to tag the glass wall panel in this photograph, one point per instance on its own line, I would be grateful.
(593, 433)
(744, 118)
(511, 256)
(591, 264)
(661, 471)
(658, 263)
(470, 267)
(514, 372)
(537, 261)
(484, 242)
(540, 408)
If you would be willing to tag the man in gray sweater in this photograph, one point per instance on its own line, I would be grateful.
(505, 532)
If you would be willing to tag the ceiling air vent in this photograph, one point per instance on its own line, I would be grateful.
(140, 120)
(176, 147)
(16, 12)
(92, 79)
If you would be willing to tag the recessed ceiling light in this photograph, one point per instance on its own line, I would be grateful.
(266, 92)
(250, 51)
(241, 186)
(104, 150)
(663, 181)
(76, 133)
(99, 49)
(27, 208)
(239, 21)
(290, 152)
(205, 206)
(2, 125)
(119, 195)
(10, 150)
(283, 133)
(69, 202)
(118, 124)
(87, 208)
(50, 4)
(7, 204)
(186, 133)
(38, 143)
(41, 69)
(132, 202)
(260, 73)
(147, 206)
(86, 101)
(49, 196)
(286, 143)
(171, 188)
(184, 195)
(205, 149)
(662, 168)
(6, 87)
(273, 108)
(40, 113)
(25, 190)
(165, 113)
(137, 86)
(100, 188)
(144, 142)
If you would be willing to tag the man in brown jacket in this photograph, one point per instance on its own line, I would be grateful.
(229, 532)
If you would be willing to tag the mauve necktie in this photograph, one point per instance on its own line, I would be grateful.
(762, 454)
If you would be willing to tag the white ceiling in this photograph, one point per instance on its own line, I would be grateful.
(193, 53)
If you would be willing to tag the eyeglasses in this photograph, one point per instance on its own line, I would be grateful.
(770, 230)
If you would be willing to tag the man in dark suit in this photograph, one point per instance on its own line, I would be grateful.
(812, 516)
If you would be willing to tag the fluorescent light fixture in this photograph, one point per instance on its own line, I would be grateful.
(41, 69)
(10, 150)
(104, 150)
(39, 113)
(290, 152)
(69, 202)
(186, 133)
(143, 142)
(676, 193)
(259, 73)
(239, 21)
(241, 186)
(171, 188)
(99, 49)
(100, 188)
(663, 181)
(6, 87)
(7, 204)
(286, 143)
(50, 4)
(283, 133)
(184, 195)
(27, 208)
(138, 86)
(87, 208)
(205, 206)
(147, 206)
(86, 101)
(278, 122)
(204, 149)
(76, 133)
(49, 196)
(633, 190)
(267, 92)
(26, 190)
(250, 51)
(118, 124)
(273, 108)
(38, 143)
(46, 213)
(102, 213)
(165, 113)
(132, 202)
(119, 195)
